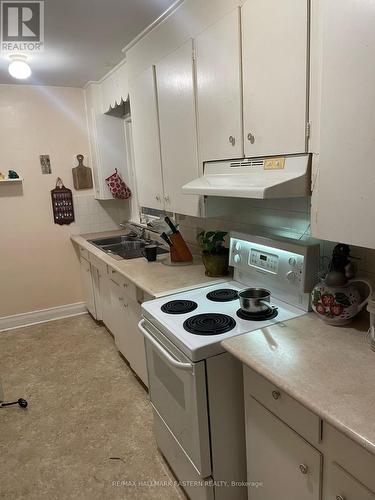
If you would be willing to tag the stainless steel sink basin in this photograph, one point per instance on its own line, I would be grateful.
(111, 240)
(124, 246)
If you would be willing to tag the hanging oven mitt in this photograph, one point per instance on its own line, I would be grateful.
(118, 187)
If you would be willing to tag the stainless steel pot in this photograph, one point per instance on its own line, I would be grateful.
(255, 300)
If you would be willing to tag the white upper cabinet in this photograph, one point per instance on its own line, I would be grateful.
(275, 56)
(107, 143)
(115, 88)
(178, 133)
(343, 194)
(219, 89)
(144, 111)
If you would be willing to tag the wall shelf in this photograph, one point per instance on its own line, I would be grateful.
(11, 181)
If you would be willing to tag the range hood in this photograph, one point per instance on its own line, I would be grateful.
(262, 178)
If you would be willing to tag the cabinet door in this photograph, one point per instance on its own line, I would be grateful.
(219, 92)
(275, 45)
(120, 319)
(101, 292)
(136, 353)
(178, 132)
(343, 196)
(126, 314)
(96, 285)
(343, 486)
(105, 299)
(87, 286)
(144, 112)
(286, 465)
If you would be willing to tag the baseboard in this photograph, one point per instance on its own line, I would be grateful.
(41, 316)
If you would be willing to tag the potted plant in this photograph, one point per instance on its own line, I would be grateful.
(214, 255)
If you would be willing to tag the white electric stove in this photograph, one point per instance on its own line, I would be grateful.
(195, 386)
(197, 302)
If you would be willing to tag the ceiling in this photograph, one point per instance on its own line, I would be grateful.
(84, 38)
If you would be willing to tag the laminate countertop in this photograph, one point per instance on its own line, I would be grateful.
(330, 370)
(154, 278)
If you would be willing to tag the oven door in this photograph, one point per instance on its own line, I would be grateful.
(178, 393)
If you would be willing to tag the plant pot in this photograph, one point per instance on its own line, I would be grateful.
(216, 264)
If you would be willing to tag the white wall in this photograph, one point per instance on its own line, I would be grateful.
(38, 265)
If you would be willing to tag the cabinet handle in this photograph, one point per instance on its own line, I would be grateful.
(167, 199)
(340, 497)
(250, 138)
(125, 285)
(158, 198)
(303, 468)
(276, 394)
(232, 140)
(125, 305)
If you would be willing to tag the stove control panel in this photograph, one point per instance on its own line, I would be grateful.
(264, 260)
(284, 264)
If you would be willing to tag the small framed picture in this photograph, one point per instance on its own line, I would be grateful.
(45, 164)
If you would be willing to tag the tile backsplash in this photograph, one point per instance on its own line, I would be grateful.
(95, 216)
(284, 217)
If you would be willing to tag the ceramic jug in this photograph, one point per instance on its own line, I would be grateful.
(338, 304)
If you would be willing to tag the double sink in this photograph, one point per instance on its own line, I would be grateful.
(125, 246)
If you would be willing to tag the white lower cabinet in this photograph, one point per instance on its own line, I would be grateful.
(343, 486)
(285, 465)
(115, 300)
(126, 314)
(87, 286)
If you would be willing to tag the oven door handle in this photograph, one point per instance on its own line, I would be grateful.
(171, 360)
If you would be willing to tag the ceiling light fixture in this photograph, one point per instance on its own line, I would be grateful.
(18, 68)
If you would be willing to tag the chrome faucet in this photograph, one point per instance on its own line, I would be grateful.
(134, 230)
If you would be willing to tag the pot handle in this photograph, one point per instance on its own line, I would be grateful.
(362, 304)
(269, 306)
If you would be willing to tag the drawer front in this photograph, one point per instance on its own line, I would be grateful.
(128, 287)
(343, 486)
(302, 420)
(83, 252)
(350, 456)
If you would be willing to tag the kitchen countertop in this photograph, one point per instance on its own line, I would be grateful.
(154, 278)
(330, 370)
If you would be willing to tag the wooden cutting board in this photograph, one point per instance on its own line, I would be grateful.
(82, 176)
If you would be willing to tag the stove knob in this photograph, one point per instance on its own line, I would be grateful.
(291, 276)
(238, 246)
(237, 259)
(292, 262)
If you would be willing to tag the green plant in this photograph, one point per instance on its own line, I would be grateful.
(211, 242)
